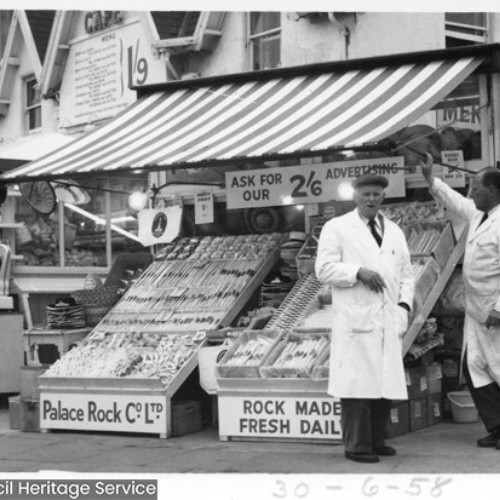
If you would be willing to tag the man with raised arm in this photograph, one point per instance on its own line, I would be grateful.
(481, 274)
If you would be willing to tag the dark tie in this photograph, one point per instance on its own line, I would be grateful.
(374, 231)
(485, 216)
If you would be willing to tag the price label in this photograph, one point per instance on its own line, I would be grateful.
(452, 176)
(204, 207)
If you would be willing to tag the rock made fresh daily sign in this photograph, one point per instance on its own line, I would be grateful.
(280, 417)
(95, 412)
(304, 184)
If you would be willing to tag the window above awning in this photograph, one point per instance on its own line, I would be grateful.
(261, 115)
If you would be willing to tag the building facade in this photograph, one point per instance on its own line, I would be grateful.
(65, 72)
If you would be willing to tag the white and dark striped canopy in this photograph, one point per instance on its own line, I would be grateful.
(218, 122)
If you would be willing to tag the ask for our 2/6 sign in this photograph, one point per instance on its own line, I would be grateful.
(304, 184)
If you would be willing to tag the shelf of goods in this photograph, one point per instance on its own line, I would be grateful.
(272, 386)
(123, 375)
(434, 251)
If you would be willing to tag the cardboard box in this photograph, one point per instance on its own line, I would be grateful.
(434, 375)
(29, 381)
(399, 419)
(416, 382)
(451, 367)
(30, 415)
(15, 412)
(418, 414)
(434, 408)
(186, 417)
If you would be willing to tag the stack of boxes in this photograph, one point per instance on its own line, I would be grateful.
(424, 406)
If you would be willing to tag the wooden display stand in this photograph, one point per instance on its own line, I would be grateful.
(437, 289)
(131, 404)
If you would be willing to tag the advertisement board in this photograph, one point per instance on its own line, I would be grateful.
(100, 70)
(104, 412)
(302, 184)
(280, 417)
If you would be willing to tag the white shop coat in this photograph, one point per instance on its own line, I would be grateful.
(367, 327)
(481, 274)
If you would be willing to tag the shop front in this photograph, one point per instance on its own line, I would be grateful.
(254, 159)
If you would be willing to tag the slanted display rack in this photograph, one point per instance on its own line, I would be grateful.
(122, 377)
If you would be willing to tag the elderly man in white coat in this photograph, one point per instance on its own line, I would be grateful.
(481, 274)
(365, 258)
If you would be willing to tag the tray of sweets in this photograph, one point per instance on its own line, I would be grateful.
(404, 214)
(295, 355)
(247, 353)
(299, 302)
(321, 369)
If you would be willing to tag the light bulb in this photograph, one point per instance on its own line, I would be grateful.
(137, 200)
(346, 191)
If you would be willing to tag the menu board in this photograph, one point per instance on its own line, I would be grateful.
(100, 69)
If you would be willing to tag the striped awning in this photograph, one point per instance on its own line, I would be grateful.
(216, 123)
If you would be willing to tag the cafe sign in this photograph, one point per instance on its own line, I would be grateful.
(304, 184)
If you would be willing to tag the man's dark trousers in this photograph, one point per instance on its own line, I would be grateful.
(486, 399)
(364, 423)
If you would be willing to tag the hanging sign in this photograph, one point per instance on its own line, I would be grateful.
(453, 177)
(204, 207)
(40, 195)
(303, 184)
(104, 412)
(71, 193)
(158, 226)
(284, 417)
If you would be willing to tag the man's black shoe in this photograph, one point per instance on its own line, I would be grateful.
(490, 441)
(385, 451)
(362, 457)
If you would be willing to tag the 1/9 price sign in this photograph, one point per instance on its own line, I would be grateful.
(304, 184)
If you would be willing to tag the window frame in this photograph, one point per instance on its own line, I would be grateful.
(30, 107)
(253, 37)
(468, 37)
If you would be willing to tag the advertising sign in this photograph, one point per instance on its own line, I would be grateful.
(280, 417)
(452, 177)
(100, 69)
(104, 412)
(160, 225)
(304, 184)
(204, 207)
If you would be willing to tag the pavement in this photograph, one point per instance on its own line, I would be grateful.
(445, 448)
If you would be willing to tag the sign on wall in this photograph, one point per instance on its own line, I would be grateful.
(453, 177)
(104, 412)
(283, 417)
(100, 69)
(304, 184)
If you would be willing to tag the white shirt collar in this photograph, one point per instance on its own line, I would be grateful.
(366, 220)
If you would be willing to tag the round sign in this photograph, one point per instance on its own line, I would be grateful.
(39, 195)
(159, 225)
